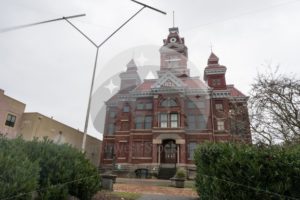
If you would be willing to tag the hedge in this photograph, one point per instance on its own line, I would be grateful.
(239, 171)
(53, 171)
(18, 175)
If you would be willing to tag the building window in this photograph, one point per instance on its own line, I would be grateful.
(168, 103)
(109, 151)
(196, 104)
(220, 125)
(148, 106)
(169, 120)
(111, 128)
(216, 82)
(112, 114)
(202, 122)
(191, 149)
(197, 122)
(148, 122)
(124, 126)
(147, 149)
(174, 120)
(191, 104)
(200, 104)
(191, 121)
(10, 120)
(140, 106)
(122, 151)
(219, 106)
(142, 149)
(237, 127)
(126, 109)
(139, 122)
(163, 120)
(137, 149)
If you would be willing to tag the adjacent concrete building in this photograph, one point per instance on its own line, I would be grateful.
(14, 122)
(11, 111)
(36, 125)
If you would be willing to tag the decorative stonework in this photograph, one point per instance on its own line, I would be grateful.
(166, 79)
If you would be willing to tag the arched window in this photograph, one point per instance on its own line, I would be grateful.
(168, 103)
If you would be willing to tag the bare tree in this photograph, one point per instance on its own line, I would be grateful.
(274, 106)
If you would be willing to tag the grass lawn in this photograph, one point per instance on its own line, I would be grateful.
(127, 195)
(187, 184)
(106, 195)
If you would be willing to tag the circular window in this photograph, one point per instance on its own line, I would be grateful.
(173, 39)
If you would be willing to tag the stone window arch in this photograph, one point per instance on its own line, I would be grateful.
(169, 102)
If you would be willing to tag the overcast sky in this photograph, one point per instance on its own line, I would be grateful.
(49, 67)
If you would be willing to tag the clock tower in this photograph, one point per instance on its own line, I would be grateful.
(174, 55)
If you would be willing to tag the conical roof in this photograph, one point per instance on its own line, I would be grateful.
(213, 59)
(131, 65)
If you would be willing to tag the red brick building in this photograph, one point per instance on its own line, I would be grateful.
(158, 122)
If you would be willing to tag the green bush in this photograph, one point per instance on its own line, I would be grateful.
(180, 173)
(239, 171)
(53, 171)
(65, 168)
(18, 175)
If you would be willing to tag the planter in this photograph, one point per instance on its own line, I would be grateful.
(177, 182)
(107, 181)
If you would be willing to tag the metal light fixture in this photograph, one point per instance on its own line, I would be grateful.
(96, 58)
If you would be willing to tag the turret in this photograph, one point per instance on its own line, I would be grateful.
(214, 73)
(130, 78)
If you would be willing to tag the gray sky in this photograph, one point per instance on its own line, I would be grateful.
(49, 67)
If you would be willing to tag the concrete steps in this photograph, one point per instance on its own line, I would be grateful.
(166, 172)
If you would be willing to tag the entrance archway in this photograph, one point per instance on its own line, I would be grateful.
(169, 151)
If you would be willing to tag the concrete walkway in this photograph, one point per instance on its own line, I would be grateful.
(165, 197)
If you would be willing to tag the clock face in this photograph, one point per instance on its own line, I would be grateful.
(173, 39)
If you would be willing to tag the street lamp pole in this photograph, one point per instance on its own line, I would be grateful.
(96, 58)
(38, 23)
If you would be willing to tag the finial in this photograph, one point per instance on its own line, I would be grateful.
(133, 53)
(211, 47)
(173, 19)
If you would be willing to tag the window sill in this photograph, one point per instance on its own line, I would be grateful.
(141, 157)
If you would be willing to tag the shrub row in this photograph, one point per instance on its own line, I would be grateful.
(51, 171)
(239, 171)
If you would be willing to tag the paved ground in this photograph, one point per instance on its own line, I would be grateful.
(165, 197)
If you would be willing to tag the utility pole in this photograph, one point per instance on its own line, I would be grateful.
(96, 59)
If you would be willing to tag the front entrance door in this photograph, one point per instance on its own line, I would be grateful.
(169, 153)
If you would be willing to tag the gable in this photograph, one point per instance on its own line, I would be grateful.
(168, 80)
